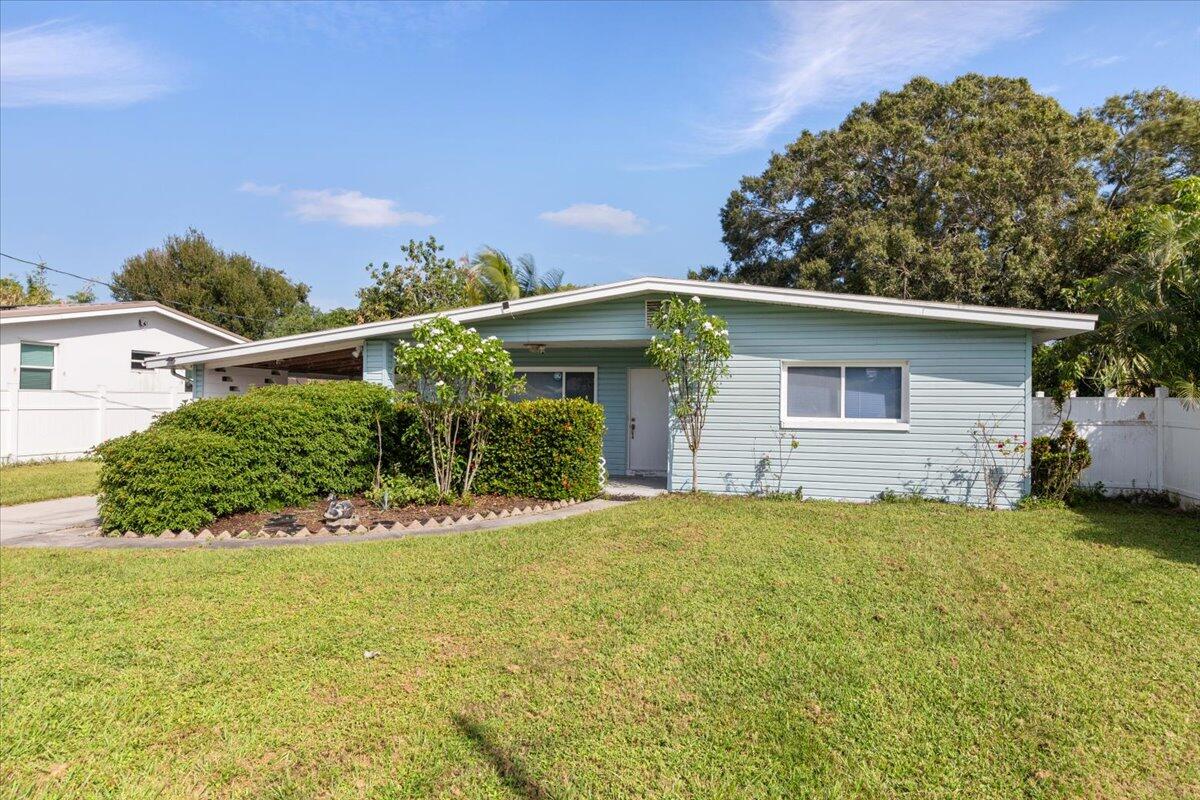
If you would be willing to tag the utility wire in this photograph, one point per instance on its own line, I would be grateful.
(142, 295)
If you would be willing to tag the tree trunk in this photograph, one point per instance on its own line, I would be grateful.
(695, 487)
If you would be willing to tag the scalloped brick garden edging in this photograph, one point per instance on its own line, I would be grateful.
(429, 523)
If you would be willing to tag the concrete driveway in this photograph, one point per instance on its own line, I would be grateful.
(48, 522)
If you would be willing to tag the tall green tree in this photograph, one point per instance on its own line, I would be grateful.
(33, 290)
(973, 191)
(1157, 141)
(307, 318)
(1149, 307)
(495, 276)
(228, 289)
(426, 281)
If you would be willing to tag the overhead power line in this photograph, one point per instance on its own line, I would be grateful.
(141, 295)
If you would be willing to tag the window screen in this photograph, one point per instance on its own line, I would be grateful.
(814, 391)
(873, 392)
(37, 366)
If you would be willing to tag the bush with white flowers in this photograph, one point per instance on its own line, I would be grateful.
(693, 350)
(453, 378)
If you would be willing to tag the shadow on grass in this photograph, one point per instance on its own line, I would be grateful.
(1169, 533)
(510, 769)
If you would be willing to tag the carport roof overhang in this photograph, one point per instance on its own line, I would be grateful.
(1044, 325)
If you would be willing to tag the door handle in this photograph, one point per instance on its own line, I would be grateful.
(632, 427)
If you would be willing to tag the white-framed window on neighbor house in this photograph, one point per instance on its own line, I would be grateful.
(37, 365)
(858, 395)
(137, 358)
(557, 383)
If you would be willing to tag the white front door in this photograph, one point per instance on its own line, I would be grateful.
(647, 421)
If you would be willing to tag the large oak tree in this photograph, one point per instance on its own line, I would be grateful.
(228, 289)
(973, 191)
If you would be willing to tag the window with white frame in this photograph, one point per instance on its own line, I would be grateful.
(37, 366)
(137, 358)
(557, 383)
(850, 394)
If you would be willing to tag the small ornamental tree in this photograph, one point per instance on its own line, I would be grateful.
(693, 351)
(454, 378)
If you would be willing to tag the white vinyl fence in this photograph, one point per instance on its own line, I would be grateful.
(1137, 443)
(65, 424)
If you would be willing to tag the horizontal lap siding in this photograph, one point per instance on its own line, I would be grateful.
(958, 374)
(612, 382)
(606, 322)
(612, 321)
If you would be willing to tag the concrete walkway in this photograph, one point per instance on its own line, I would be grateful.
(29, 526)
(30, 523)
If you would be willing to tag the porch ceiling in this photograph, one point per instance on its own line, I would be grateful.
(344, 363)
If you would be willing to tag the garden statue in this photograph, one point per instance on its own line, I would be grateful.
(338, 509)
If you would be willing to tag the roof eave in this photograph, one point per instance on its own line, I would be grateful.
(1045, 325)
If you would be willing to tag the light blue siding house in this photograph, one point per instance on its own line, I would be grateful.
(879, 394)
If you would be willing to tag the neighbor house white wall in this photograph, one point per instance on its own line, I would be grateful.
(94, 351)
(96, 394)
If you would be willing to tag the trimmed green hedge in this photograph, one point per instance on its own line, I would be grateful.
(314, 438)
(544, 448)
(161, 478)
(549, 449)
(285, 445)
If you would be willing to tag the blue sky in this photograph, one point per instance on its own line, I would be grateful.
(601, 138)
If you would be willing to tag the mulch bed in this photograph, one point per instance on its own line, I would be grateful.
(312, 516)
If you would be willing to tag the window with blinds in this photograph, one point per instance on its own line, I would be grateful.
(37, 366)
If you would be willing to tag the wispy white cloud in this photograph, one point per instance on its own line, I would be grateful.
(598, 217)
(843, 50)
(352, 209)
(347, 207)
(1094, 62)
(250, 187)
(60, 64)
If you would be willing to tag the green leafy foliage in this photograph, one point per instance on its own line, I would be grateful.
(397, 489)
(168, 478)
(1057, 462)
(33, 291)
(453, 378)
(307, 318)
(972, 191)
(292, 444)
(1149, 308)
(549, 449)
(693, 350)
(313, 438)
(427, 281)
(1157, 142)
(495, 276)
(228, 289)
(544, 448)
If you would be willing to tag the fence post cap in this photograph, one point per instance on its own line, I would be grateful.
(1162, 391)
(1110, 392)
(1039, 394)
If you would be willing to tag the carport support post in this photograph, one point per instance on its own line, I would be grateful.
(379, 362)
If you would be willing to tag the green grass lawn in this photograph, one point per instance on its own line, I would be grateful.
(26, 483)
(672, 648)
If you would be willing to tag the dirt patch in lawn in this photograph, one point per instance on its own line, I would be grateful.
(312, 516)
